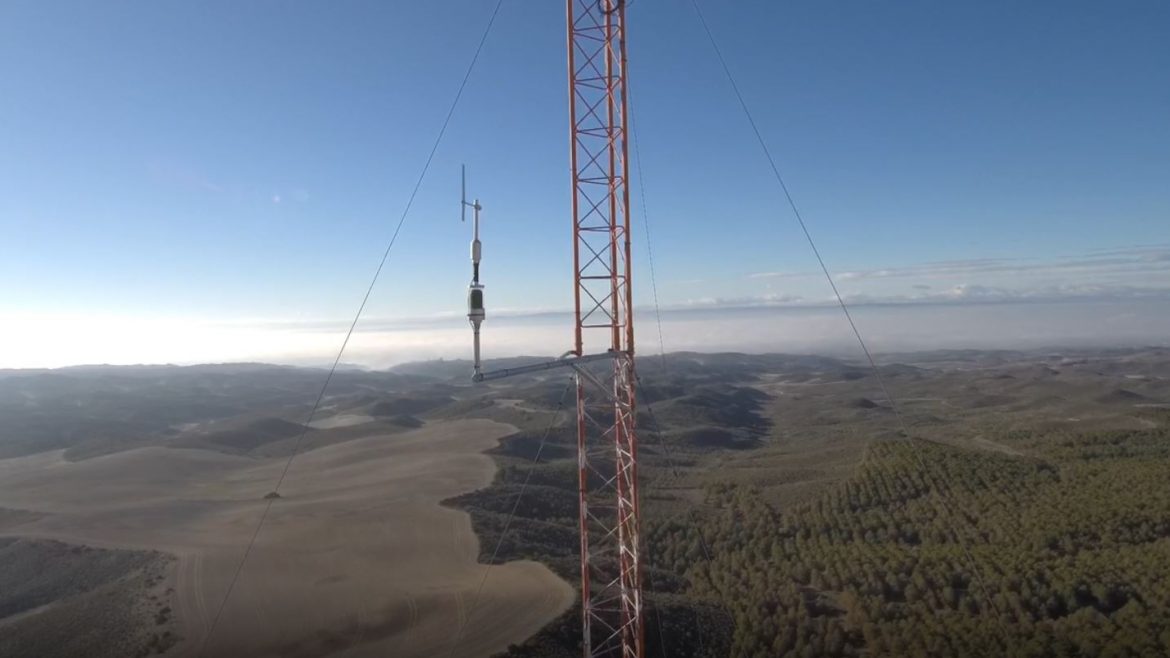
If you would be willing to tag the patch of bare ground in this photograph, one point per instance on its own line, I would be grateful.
(357, 556)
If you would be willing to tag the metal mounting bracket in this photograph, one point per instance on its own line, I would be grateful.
(566, 360)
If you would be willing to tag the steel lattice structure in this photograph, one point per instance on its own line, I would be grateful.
(607, 445)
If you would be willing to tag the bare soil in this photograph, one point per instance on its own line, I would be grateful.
(357, 556)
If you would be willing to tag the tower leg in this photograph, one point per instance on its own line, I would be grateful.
(611, 593)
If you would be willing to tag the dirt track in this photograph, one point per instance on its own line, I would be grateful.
(357, 557)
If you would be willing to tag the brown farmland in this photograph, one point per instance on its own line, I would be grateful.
(357, 556)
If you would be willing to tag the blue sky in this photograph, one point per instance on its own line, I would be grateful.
(245, 162)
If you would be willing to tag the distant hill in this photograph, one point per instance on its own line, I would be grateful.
(92, 410)
(113, 602)
(245, 437)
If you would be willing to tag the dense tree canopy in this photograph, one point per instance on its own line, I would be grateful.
(1061, 552)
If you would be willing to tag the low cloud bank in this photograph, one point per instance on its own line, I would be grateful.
(381, 343)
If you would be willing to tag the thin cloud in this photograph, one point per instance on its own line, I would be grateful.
(1136, 260)
(966, 293)
(975, 293)
(1126, 262)
(1160, 251)
(784, 275)
(739, 302)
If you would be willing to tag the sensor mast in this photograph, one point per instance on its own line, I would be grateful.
(603, 322)
(475, 310)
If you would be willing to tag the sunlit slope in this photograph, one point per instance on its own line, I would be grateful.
(357, 557)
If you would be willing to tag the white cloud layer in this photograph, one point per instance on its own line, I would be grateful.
(59, 341)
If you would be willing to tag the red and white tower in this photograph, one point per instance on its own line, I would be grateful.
(603, 336)
(607, 444)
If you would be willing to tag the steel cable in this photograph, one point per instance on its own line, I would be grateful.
(349, 334)
(848, 316)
